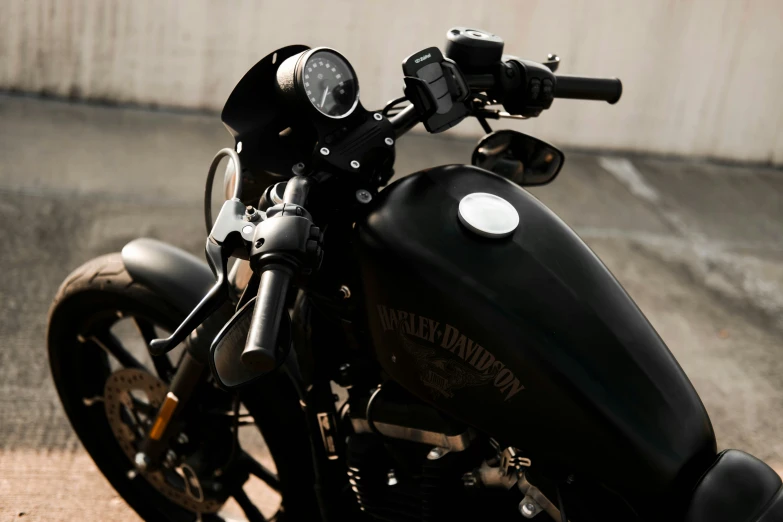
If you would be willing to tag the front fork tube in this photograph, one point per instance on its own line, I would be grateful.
(154, 445)
(190, 372)
(318, 404)
(328, 450)
(317, 400)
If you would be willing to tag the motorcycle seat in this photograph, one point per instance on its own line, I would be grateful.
(738, 487)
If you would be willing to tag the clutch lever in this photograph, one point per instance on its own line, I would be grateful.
(218, 262)
(233, 229)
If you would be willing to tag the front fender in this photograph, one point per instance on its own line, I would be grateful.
(182, 281)
(179, 277)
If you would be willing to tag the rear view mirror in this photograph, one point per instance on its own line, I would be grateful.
(227, 368)
(523, 159)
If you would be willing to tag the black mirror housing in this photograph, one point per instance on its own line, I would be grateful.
(523, 159)
(228, 345)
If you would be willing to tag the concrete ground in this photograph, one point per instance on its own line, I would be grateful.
(698, 246)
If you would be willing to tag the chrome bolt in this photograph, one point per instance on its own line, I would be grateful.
(378, 116)
(529, 507)
(436, 453)
(355, 164)
(141, 461)
(247, 230)
(389, 142)
(363, 196)
(469, 480)
(171, 457)
(251, 214)
(391, 478)
(182, 438)
(345, 292)
(324, 151)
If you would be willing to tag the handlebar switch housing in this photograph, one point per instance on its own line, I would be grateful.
(525, 88)
(287, 237)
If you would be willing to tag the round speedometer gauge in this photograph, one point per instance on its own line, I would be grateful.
(330, 84)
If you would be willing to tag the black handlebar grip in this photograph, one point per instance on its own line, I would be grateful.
(581, 88)
(260, 352)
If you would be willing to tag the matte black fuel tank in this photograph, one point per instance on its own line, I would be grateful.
(528, 338)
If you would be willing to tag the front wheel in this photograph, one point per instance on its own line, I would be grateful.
(100, 327)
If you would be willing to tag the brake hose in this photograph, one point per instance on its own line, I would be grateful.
(561, 506)
(368, 411)
(211, 177)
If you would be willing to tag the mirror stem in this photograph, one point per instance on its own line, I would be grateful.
(484, 125)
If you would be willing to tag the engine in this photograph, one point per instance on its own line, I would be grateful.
(407, 462)
(397, 482)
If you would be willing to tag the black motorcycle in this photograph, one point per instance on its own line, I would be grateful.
(443, 349)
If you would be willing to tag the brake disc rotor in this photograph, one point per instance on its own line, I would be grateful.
(132, 398)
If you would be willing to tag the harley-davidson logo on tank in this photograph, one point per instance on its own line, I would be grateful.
(446, 359)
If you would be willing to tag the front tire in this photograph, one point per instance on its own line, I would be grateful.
(91, 299)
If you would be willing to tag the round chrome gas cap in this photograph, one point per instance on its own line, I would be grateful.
(488, 215)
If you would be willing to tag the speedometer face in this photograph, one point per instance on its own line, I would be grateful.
(330, 84)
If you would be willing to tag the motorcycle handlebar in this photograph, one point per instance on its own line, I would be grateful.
(531, 97)
(583, 88)
(260, 353)
(404, 120)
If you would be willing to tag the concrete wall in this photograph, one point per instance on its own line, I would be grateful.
(701, 77)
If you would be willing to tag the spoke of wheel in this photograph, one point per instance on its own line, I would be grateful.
(144, 407)
(251, 511)
(162, 364)
(112, 346)
(257, 469)
(138, 427)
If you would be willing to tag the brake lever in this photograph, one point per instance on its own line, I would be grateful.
(497, 115)
(231, 231)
